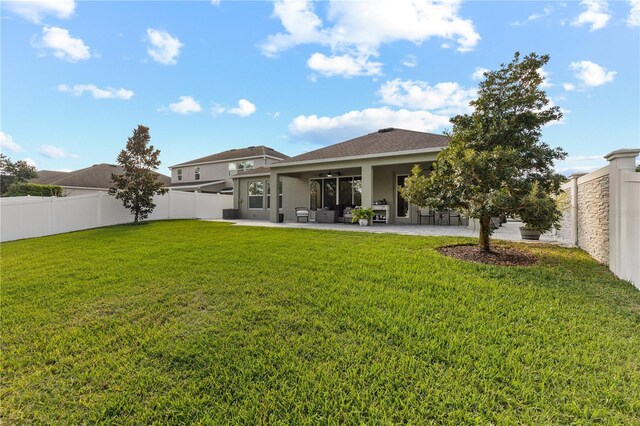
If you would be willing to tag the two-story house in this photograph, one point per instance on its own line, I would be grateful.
(214, 173)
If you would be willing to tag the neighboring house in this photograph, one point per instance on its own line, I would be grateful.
(214, 173)
(90, 180)
(365, 171)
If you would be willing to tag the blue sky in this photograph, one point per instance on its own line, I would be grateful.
(78, 76)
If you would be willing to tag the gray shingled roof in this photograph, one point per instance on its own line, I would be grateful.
(252, 151)
(381, 142)
(96, 176)
(45, 177)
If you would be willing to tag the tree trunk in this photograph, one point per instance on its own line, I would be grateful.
(485, 229)
(135, 218)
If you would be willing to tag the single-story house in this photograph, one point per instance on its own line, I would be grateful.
(365, 171)
(89, 180)
(214, 172)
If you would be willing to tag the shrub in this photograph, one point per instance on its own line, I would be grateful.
(539, 211)
(20, 189)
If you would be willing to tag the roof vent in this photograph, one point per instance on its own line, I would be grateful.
(387, 130)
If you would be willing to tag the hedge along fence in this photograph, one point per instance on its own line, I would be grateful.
(33, 189)
(27, 217)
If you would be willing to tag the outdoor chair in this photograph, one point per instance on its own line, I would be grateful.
(302, 212)
(429, 215)
(442, 216)
(455, 215)
(347, 215)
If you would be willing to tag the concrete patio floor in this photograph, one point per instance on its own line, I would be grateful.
(508, 231)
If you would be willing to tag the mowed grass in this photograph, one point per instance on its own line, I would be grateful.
(186, 322)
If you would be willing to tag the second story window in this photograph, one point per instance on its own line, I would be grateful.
(179, 174)
(240, 166)
(197, 174)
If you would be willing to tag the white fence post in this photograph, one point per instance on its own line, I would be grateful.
(52, 206)
(100, 194)
(574, 207)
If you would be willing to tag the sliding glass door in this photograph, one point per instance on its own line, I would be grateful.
(329, 192)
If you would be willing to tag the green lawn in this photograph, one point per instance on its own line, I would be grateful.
(185, 321)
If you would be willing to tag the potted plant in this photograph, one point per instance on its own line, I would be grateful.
(363, 216)
(539, 213)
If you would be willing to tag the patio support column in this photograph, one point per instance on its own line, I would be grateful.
(273, 212)
(367, 185)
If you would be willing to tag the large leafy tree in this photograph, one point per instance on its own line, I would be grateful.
(14, 172)
(139, 182)
(495, 154)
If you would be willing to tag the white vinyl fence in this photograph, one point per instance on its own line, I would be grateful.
(26, 217)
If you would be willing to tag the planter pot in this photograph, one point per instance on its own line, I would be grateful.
(363, 222)
(529, 234)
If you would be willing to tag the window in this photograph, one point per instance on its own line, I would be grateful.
(315, 194)
(179, 174)
(402, 206)
(350, 191)
(197, 174)
(240, 166)
(329, 189)
(256, 195)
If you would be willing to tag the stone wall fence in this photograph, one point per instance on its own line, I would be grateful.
(604, 217)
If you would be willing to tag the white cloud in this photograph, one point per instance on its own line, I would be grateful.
(569, 87)
(579, 164)
(535, 16)
(164, 48)
(96, 92)
(633, 19)
(51, 151)
(445, 98)
(36, 10)
(343, 65)
(215, 2)
(301, 23)
(592, 74)
(410, 61)
(327, 130)
(359, 33)
(244, 109)
(185, 105)
(478, 73)
(546, 81)
(63, 45)
(30, 162)
(7, 143)
(596, 15)
(274, 115)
